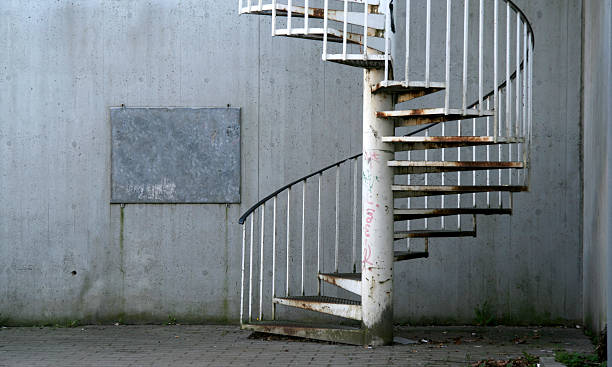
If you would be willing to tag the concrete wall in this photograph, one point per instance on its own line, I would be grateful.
(66, 62)
(597, 158)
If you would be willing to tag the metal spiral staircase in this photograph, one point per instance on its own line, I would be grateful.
(431, 160)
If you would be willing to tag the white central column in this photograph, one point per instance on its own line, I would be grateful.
(377, 216)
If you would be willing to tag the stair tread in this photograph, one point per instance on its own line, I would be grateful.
(399, 212)
(340, 333)
(360, 63)
(333, 35)
(405, 191)
(321, 299)
(375, 21)
(450, 139)
(432, 233)
(420, 167)
(430, 115)
(469, 113)
(463, 188)
(492, 164)
(399, 87)
(404, 143)
(294, 324)
(351, 276)
(409, 255)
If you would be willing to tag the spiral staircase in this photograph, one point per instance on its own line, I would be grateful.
(445, 142)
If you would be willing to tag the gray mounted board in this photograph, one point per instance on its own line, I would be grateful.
(175, 155)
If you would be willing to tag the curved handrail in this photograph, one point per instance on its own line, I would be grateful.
(488, 95)
(260, 202)
(518, 10)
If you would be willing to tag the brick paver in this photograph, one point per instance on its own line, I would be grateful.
(208, 345)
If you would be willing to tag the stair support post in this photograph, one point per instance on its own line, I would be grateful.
(377, 216)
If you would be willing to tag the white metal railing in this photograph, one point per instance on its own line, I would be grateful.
(257, 238)
(475, 50)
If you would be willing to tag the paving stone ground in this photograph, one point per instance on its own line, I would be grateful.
(211, 345)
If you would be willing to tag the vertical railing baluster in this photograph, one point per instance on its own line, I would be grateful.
(495, 67)
(474, 160)
(488, 155)
(240, 12)
(530, 112)
(459, 175)
(260, 5)
(466, 14)
(409, 206)
(499, 155)
(355, 215)
(303, 232)
(447, 63)
(428, 44)
(407, 60)
(443, 176)
(306, 16)
(480, 55)
(289, 16)
(508, 81)
(325, 11)
(518, 75)
(274, 256)
(365, 29)
(242, 271)
(426, 179)
(319, 235)
(524, 133)
(288, 239)
(251, 270)
(261, 260)
(508, 87)
(345, 30)
(337, 239)
(387, 44)
(249, 4)
(273, 17)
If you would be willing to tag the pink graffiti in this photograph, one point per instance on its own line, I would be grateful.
(371, 157)
(370, 210)
(367, 253)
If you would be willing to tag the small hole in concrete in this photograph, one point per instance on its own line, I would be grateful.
(74, 272)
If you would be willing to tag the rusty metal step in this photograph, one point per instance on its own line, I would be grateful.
(416, 213)
(359, 62)
(349, 281)
(430, 115)
(330, 305)
(409, 255)
(405, 143)
(405, 191)
(375, 20)
(418, 167)
(375, 44)
(335, 333)
(406, 91)
(433, 233)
